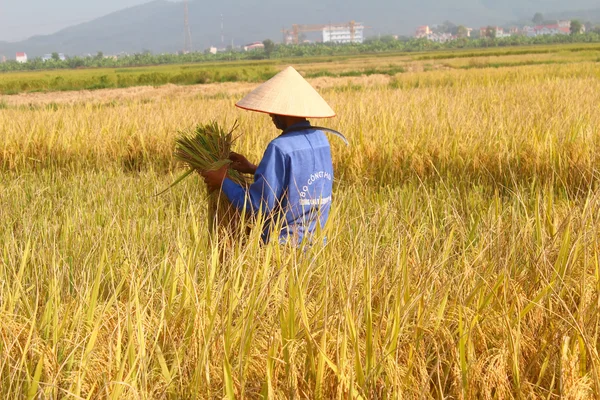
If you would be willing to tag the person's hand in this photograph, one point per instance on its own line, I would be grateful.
(214, 179)
(241, 164)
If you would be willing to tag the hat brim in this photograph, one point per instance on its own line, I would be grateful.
(288, 94)
(285, 115)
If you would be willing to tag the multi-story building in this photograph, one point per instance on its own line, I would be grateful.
(254, 46)
(553, 29)
(21, 57)
(350, 33)
(441, 37)
(423, 31)
(564, 24)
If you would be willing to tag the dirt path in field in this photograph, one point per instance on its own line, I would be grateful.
(169, 91)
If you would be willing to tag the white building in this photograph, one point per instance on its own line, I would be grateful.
(254, 46)
(561, 28)
(440, 37)
(47, 57)
(21, 57)
(564, 24)
(347, 33)
(501, 33)
(423, 32)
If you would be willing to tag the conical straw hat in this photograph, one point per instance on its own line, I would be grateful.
(287, 93)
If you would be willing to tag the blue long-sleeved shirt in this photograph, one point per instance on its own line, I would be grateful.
(292, 184)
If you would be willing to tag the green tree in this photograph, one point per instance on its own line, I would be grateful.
(100, 55)
(490, 32)
(462, 31)
(76, 62)
(538, 18)
(449, 27)
(269, 47)
(445, 27)
(55, 56)
(387, 38)
(576, 27)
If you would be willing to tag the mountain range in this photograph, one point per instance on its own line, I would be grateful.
(158, 26)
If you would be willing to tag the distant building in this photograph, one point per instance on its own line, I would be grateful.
(423, 31)
(254, 46)
(560, 28)
(528, 31)
(288, 38)
(21, 57)
(2, 59)
(501, 33)
(441, 37)
(490, 31)
(495, 31)
(216, 50)
(346, 33)
(564, 24)
(552, 29)
(47, 57)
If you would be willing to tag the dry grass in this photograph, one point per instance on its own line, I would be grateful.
(462, 257)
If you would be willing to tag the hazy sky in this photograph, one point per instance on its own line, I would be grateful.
(22, 19)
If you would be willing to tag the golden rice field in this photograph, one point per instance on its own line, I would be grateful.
(254, 71)
(462, 260)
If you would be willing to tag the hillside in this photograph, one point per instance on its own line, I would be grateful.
(583, 15)
(158, 25)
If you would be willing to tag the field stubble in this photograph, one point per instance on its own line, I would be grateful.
(462, 257)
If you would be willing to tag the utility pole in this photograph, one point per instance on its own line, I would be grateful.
(187, 44)
(222, 34)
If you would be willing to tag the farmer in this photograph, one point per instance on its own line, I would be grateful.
(292, 184)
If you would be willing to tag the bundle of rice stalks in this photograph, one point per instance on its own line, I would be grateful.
(207, 148)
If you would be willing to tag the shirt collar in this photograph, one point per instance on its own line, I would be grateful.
(303, 124)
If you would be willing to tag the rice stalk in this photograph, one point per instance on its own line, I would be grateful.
(206, 148)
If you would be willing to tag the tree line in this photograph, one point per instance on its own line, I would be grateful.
(278, 51)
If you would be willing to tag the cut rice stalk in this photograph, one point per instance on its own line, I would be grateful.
(207, 148)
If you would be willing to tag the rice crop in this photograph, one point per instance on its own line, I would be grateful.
(104, 78)
(207, 148)
(462, 256)
(390, 63)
